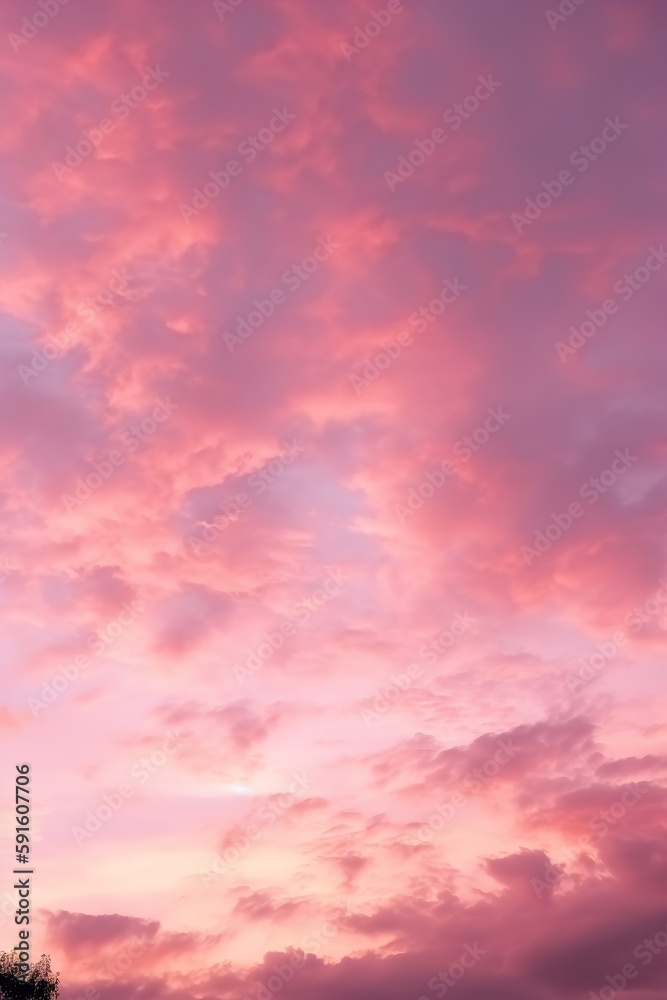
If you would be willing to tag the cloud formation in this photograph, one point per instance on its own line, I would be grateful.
(333, 387)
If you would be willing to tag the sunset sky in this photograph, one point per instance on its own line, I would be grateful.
(334, 438)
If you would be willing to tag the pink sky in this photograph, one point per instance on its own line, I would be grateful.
(333, 515)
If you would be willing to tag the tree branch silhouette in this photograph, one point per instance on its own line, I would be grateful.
(40, 983)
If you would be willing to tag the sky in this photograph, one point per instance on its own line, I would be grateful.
(334, 448)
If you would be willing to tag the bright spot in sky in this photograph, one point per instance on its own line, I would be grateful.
(240, 789)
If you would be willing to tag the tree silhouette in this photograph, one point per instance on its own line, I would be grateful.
(39, 983)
